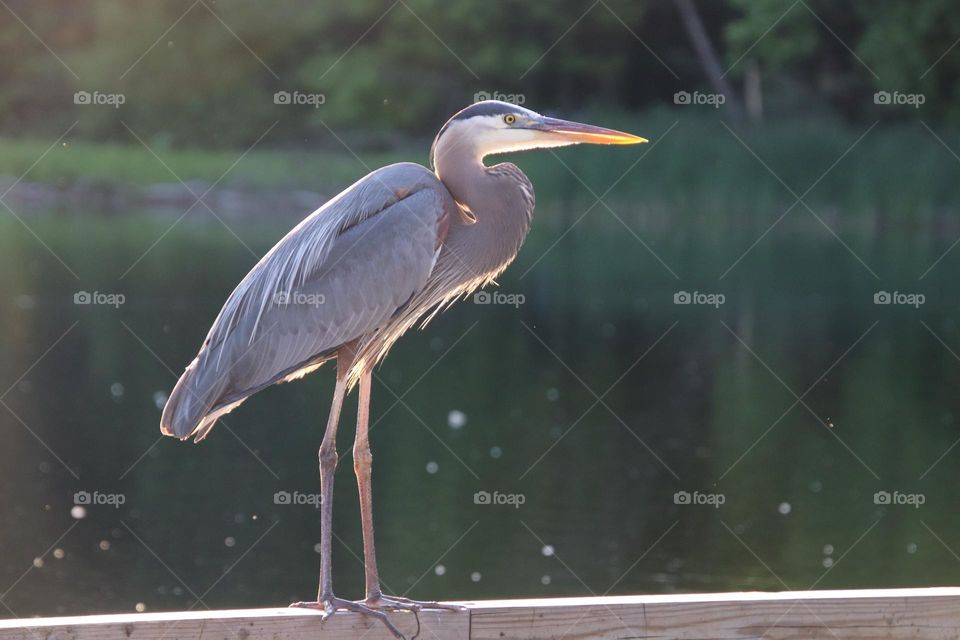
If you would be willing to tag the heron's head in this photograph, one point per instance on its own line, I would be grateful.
(492, 127)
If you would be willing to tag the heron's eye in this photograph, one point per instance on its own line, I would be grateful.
(509, 118)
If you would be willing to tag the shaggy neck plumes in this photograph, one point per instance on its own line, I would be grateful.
(498, 199)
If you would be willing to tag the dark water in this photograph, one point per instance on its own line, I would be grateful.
(594, 402)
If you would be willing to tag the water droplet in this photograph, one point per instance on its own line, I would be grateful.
(553, 394)
(104, 545)
(547, 550)
(38, 562)
(496, 452)
(59, 554)
(439, 569)
(230, 541)
(78, 512)
(432, 467)
(140, 607)
(316, 548)
(545, 580)
(456, 419)
(784, 508)
(159, 399)
(116, 390)
(912, 548)
(828, 549)
(475, 576)
(827, 563)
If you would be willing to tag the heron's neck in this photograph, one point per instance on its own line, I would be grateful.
(500, 198)
(487, 192)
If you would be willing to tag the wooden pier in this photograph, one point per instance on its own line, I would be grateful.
(878, 614)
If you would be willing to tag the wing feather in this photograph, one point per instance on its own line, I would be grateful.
(337, 276)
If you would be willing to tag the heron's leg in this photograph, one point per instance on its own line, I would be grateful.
(362, 466)
(328, 466)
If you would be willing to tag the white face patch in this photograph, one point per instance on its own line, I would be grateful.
(491, 135)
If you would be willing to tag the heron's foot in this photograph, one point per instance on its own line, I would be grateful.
(399, 603)
(329, 606)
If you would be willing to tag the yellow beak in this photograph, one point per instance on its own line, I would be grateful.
(587, 133)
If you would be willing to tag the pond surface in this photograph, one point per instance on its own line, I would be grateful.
(629, 444)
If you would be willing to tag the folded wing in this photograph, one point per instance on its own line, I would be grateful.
(339, 275)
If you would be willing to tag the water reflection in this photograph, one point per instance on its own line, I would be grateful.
(599, 400)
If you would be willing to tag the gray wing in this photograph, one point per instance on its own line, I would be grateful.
(338, 275)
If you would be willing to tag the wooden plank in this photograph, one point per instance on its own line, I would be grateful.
(882, 614)
(862, 614)
(236, 624)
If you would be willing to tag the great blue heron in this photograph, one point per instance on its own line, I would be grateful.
(401, 244)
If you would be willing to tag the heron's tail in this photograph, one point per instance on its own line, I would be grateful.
(192, 408)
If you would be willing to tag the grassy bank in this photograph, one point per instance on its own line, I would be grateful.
(694, 162)
(75, 161)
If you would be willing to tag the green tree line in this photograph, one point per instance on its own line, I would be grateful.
(205, 72)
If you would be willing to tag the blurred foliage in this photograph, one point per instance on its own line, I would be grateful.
(844, 51)
(205, 73)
